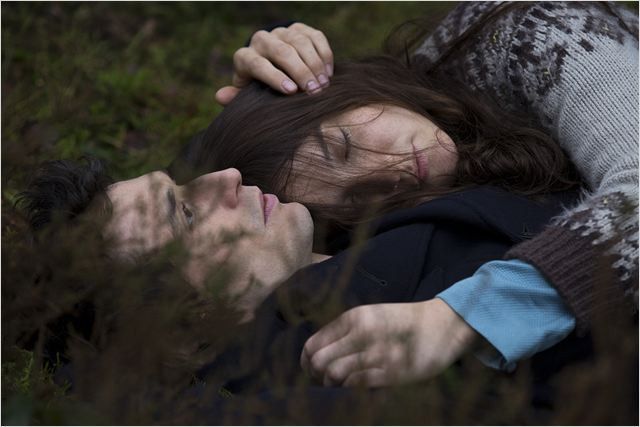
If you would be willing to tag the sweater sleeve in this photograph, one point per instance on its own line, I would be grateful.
(574, 68)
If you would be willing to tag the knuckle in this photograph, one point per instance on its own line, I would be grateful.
(255, 63)
(317, 34)
(355, 379)
(259, 37)
(300, 39)
(328, 55)
(297, 26)
(317, 364)
(370, 358)
(308, 349)
(366, 316)
(334, 374)
(282, 50)
(240, 54)
(352, 315)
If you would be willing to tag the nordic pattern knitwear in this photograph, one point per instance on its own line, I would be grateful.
(573, 67)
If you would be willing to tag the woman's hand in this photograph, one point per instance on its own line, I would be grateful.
(287, 59)
(384, 344)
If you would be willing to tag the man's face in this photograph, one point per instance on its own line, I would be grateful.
(218, 220)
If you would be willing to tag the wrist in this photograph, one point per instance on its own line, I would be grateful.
(462, 336)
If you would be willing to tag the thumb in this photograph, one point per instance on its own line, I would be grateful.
(226, 94)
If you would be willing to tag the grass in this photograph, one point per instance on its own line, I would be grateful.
(132, 82)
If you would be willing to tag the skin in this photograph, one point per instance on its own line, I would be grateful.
(303, 55)
(219, 221)
(406, 148)
(378, 345)
(352, 349)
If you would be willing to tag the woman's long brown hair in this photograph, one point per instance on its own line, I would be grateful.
(261, 132)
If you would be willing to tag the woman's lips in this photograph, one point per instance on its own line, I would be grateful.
(270, 202)
(421, 164)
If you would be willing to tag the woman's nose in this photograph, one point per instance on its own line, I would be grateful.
(217, 188)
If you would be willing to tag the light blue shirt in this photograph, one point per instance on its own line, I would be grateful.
(513, 307)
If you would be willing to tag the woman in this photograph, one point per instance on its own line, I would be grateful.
(477, 148)
(552, 92)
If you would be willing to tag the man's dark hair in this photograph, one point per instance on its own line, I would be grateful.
(58, 193)
(61, 190)
(69, 300)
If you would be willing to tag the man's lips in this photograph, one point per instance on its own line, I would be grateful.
(421, 164)
(269, 202)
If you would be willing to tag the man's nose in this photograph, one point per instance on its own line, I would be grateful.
(217, 188)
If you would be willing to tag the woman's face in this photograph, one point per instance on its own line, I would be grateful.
(387, 149)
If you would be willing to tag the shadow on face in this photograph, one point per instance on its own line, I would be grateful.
(219, 222)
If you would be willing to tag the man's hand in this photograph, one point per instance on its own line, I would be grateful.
(385, 344)
(287, 59)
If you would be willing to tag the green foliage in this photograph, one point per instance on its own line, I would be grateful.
(32, 394)
(131, 83)
(16, 371)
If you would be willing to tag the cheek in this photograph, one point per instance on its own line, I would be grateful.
(216, 228)
(376, 137)
(202, 265)
(138, 232)
(448, 152)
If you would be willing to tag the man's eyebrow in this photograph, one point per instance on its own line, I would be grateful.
(171, 210)
(171, 205)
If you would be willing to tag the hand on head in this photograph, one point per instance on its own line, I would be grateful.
(384, 344)
(296, 58)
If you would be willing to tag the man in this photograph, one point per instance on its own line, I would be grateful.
(412, 256)
(115, 309)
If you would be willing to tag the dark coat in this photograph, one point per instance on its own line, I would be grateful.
(412, 255)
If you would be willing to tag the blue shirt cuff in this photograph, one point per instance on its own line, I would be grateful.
(513, 307)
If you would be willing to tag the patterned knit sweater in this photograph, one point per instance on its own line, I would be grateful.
(574, 68)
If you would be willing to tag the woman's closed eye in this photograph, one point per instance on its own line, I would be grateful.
(346, 135)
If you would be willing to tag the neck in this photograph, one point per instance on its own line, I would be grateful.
(315, 258)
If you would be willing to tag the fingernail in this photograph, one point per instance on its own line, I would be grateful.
(323, 80)
(289, 86)
(329, 68)
(312, 86)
